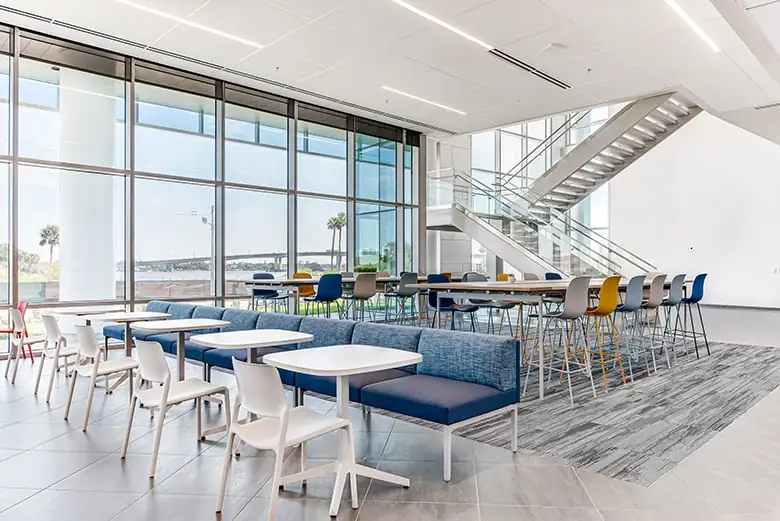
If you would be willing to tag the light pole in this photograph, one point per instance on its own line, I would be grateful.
(209, 221)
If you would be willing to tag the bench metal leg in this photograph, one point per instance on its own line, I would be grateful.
(447, 455)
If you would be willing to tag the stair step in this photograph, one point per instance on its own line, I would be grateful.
(644, 131)
(555, 196)
(601, 163)
(676, 106)
(621, 149)
(589, 173)
(653, 123)
(632, 140)
(666, 114)
(566, 189)
(612, 156)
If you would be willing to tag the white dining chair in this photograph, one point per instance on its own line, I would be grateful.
(18, 340)
(165, 393)
(89, 364)
(56, 348)
(260, 393)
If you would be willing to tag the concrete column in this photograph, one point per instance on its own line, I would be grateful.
(86, 201)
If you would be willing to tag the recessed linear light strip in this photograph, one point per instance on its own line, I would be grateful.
(418, 98)
(529, 68)
(444, 24)
(693, 25)
(190, 23)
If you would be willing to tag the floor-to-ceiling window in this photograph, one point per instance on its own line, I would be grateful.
(124, 181)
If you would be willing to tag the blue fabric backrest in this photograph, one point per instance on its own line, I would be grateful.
(697, 291)
(326, 332)
(209, 312)
(438, 278)
(279, 321)
(240, 319)
(157, 306)
(469, 357)
(179, 310)
(395, 337)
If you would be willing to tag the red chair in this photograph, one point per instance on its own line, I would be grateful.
(22, 307)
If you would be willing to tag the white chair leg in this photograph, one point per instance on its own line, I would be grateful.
(303, 461)
(352, 466)
(447, 455)
(40, 372)
(74, 376)
(17, 359)
(53, 373)
(513, 419)
(279, 460)
(11, 357)
(129, 427)
(92, 385)
(225, 469)
(157, 438)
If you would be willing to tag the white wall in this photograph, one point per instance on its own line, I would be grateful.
(706, 200)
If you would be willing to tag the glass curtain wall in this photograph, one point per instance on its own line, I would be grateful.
(123, 181)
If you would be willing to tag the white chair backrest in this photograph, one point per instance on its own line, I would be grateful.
(527, 275)
(365, 285)
(88, 347)
(576, 301)
(151, 359)
(656, 294)
(260, 389)
(676, 290)
(634, 293)
(17, 321)
(53, 333)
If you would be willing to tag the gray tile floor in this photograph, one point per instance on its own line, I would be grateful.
(49, 469)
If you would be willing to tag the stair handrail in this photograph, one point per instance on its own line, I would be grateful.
(571, 120)
(628, 256)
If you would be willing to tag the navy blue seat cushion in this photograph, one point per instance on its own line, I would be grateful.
(469, 357)
(157, 306)
(395, 337)
(240, 319)
(180, 310)
(440, 400)
(327, 384)
(224, 358)
(193, 351)
(166, 340)
(279, 321)
(208, 312)
(114, 331)
(326, 332)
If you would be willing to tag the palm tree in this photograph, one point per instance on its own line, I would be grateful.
(341, 222)
(332, 222)
(50, 235)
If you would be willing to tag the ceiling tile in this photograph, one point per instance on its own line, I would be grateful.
(280, 64)
(435, 47)
(559, 44)
(309, 8)
(592, 68)
(256, 20)
(503, 21)
(137, 25)
(445, 9)
(203, 45)
(180, 8)
(489, 70)
(376, 21)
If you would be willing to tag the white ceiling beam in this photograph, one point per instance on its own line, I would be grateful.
(751, 35)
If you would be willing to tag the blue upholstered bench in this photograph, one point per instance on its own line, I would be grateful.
(463, 378)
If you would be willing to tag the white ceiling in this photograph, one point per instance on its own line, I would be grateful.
(608, 50)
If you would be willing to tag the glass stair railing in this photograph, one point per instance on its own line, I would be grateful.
(553, 238)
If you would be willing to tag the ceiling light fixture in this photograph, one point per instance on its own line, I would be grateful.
(418, 98)
(693, 25)
(444, 24)
(189, 23)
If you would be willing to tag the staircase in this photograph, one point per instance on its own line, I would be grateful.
(500, 221)
(628, 135)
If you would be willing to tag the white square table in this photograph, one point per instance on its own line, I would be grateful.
(180, 326)
(126, 318)
(341, 361)
(250, 340)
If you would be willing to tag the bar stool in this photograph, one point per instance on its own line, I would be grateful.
(401, 295)
(630, 307)
(653, 302)
(551, 275)
(527, 275)
(447, 305)
(365, 289)
(608, 302)
(307, 290)
(329, 290)
(697, 293)
(574, 307)
(266, 294)
(490, 305)
(672, 302)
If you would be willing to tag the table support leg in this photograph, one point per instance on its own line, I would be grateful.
(540, 340)
(180, 356)
(128, 340)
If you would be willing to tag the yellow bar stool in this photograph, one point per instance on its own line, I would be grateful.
(602, 314)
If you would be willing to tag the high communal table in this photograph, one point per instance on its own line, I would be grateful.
(528, 292)
(127, 318)
(342, 361)
(180, 326)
